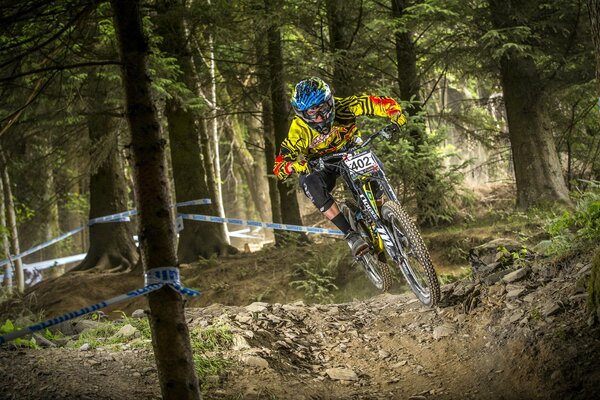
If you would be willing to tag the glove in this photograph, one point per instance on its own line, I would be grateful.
(398, 119)
(300, 166)
(283, 169)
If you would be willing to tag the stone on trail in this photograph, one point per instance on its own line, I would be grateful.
(514, 293)
(516, 275)
(239, 343)
(244, 318)
(127, 331)
(139, 313)
(255, 361)
(495, 277)
(443, 331)
(341, 374)
(516, 316)
(257, 306)
(84, 325)
(85, 347)
(550, 309)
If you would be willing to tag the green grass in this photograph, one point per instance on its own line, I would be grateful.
(461, 273)
(206, 345)
(104, 335)
(315, 277)
(8, 326)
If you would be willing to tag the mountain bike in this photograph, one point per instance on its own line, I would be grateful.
(375, 212)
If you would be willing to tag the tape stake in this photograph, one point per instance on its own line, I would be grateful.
(155, 279)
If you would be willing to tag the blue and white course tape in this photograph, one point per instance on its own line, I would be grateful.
(119, 217)
(270, 225)
(155, 279)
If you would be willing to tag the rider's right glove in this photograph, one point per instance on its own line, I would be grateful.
(283, 169)
(300, 166)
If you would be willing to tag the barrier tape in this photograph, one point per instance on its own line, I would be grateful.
(120, 217)
(270, 225)
(155, 279)
(41, 246)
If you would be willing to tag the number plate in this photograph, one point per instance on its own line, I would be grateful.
(361, 162)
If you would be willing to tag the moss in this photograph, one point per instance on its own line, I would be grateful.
(594, 287)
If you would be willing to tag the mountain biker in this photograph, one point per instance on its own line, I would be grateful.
(325, 124)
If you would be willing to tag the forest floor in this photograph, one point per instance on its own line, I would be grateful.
(494, 336)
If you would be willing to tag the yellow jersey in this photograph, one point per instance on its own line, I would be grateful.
(302, 139)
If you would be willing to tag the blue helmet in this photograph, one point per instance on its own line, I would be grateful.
(313, 103)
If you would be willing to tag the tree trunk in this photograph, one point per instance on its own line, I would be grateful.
(406, 56)
(409, 85)
(170, 334)
(270, 148)
(68, 187)
(594, 11)
(191, 172)
(7, 280)
(538, 172)
(254, 172)
(12, 224)
(290, 212)
(594, 288)
(49, 214)
(111, 244)
(264, 87)
(594, 283)
(260, 189)
(341, 34)
(213, 127)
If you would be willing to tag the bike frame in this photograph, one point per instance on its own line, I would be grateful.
(361, 187)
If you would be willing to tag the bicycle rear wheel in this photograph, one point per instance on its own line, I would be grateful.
(414, 261)
(377, 272)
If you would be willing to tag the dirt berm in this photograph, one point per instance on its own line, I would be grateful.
(521, 334)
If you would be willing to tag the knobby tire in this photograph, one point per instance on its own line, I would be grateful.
(392, 211)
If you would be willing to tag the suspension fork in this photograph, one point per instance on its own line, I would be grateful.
(381, 236)
(367, 199)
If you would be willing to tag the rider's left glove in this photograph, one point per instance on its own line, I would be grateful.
(398, 119)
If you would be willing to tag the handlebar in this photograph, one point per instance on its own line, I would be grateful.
(386, 132)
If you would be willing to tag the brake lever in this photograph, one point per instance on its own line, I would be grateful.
(389, 131)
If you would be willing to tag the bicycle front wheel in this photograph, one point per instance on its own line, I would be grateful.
(414, 261)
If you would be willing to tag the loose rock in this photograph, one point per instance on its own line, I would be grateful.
(255, 361)
(443, 331)
(341, 374)
(516, 275)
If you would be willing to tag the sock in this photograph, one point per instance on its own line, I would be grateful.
(342, 223)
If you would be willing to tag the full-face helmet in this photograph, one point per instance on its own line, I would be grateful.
(313, 103)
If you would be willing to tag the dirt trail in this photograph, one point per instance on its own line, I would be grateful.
(524, 337)
(519, 333)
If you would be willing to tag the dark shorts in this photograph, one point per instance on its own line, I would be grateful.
(317, 186)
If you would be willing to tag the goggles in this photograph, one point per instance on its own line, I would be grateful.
(322, 110)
